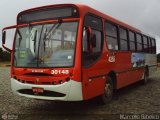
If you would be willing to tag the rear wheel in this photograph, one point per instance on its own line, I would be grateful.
(106, 97)
(146, 75)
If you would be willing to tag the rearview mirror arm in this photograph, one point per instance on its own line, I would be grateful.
(6, 28)
(90, 39)
(9, 50)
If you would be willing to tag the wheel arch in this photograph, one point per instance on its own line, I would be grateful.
(113, 76)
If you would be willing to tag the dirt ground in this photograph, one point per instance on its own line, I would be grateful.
(136, 99)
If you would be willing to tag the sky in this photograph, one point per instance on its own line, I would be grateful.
(142, 14)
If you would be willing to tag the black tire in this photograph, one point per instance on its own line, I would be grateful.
(146, 76)
(106, 97)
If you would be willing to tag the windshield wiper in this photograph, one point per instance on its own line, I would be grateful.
(44, 40)
(34, 39)
(54, 27)
(39, 42)
(20, 37)
(46, 34)
(53, 30)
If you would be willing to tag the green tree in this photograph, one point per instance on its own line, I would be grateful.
(4, 55)
(1, 52)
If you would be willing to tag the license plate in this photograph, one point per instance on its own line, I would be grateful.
(37, 90)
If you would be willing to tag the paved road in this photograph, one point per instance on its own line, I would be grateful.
(135, 99)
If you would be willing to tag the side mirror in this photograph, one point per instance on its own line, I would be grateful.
(4, 37)
(89, 32)
(93, 42)
(91, 39)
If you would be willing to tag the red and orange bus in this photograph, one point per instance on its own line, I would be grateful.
(71, 52)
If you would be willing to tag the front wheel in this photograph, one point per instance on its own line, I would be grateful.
(106, 97)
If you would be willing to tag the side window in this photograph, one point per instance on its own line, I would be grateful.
(92, 40)
(132, 41)
(139, 42)
(145, 44)
(123, 39)
(111, 36)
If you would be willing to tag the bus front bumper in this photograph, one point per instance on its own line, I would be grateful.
(68, 91)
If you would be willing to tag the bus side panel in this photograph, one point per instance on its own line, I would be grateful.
(122, 65)
(93, 88)
(122, 61)
(136, 68)
(133, 76)
(130, 68)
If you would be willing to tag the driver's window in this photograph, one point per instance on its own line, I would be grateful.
(92, 43)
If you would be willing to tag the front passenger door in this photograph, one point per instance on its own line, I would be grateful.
(93, 82)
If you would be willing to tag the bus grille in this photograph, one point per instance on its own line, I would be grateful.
(45, 93)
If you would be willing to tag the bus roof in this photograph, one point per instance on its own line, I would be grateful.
(85, 9)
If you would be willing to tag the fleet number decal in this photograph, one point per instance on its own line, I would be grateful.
(55, 72)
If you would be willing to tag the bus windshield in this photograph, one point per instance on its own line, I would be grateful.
(46, 45)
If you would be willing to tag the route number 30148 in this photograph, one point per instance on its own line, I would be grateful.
(55, 72)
